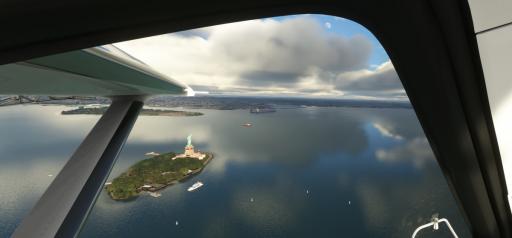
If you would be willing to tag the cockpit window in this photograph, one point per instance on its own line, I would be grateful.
(299, 127)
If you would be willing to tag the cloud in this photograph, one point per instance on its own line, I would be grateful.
(199, 32)
(294, 55)
(284, 51)
(263, 77)
(381, 80)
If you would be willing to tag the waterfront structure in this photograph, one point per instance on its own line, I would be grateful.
(190, 152)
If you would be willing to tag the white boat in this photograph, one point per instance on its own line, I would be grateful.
(195, 186)
(154, 194)
(151, 154)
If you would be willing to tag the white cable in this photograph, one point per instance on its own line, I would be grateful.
(435, 223)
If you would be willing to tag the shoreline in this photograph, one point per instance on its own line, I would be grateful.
(209, 156)
(144, 112)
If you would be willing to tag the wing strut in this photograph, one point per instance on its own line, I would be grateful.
(65, 205)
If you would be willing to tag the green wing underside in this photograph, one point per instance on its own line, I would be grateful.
(90, 72)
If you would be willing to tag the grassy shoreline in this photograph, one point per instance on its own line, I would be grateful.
(157, 173)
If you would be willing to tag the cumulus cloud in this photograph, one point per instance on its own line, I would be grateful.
(383, 79)
(295, 55)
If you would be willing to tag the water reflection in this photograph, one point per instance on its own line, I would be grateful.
(35, 142)
(416, 151)
(378, 159)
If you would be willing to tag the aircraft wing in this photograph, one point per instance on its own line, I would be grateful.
(99, 71)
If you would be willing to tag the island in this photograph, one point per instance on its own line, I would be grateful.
(158, 172)
(95, 110)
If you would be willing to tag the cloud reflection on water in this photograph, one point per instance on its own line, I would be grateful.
(416, 151)
(292, 140)
(35, 141)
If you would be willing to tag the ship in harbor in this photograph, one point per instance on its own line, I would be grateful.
(195, 186)
(262, 110)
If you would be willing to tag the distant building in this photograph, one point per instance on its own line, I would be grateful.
(189, 151)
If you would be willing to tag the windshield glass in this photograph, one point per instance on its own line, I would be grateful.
(298, 126)
(310, 130)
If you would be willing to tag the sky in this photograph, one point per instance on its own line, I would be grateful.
(298, 55)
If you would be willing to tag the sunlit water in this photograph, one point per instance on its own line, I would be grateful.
(304, 172)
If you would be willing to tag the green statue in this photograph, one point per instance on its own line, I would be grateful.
(189, 140)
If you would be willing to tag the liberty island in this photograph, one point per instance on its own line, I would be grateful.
(158, 172)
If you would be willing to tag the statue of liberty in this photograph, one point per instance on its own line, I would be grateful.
(189, 140)
(189, 148)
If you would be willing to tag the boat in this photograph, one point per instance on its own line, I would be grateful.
(155, 194)
(151, 154)
(247, 125)
(195, 186)
(262, 110)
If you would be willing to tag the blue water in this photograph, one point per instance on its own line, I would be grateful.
(369, 173)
